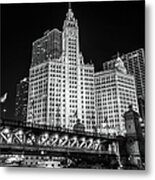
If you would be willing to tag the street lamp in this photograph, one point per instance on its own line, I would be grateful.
(4, 112)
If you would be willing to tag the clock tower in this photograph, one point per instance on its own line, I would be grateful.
(71, 38)
(78, 78)
(67, 81)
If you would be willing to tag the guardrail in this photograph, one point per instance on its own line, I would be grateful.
(15, 123)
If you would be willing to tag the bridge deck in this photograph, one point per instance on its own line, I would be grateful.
(51, 129)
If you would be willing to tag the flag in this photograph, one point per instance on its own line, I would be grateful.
(32, 103)
(33, 115)
(58, 111)
(107, 127)
(75, 114)
(106, 120)
(3, 98)
(43, 96)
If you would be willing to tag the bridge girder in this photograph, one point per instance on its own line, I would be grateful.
(60, 139)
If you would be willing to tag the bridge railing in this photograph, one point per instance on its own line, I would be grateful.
(19, 124)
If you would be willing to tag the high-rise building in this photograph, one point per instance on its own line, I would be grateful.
(61, 85)
(115, 90)
(21, 100)
(135, 64)
(47, 47)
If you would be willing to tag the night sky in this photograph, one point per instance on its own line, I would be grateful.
(105, 28)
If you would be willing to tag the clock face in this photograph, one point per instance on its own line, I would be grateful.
(72, 33)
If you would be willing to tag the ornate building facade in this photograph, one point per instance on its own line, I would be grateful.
(135, 64)
(61, 85)
(115, 90)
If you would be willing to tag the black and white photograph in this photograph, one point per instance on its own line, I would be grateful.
(73, 85)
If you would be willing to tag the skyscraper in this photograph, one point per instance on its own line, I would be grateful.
(115, 90)
(47, 47)
(135, 64)
(61, 85)
(21, 100)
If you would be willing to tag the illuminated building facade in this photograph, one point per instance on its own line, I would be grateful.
(135, 64)
(61, 86)
(21, 100)
(115, 90)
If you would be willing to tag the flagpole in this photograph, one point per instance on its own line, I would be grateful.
(32, 104)
(107, 126)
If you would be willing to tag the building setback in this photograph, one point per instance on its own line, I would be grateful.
(21, 100)
(61, 86)
(115, 90)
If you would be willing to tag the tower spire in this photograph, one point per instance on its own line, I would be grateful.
(118, 54)
(69, 5)
(70, 14)
(119, 64)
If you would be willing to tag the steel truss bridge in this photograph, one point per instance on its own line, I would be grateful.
(33, 139)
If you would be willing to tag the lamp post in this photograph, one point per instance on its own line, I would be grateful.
(2, 102)
(4, 112)
(107, 126)
(93, 122)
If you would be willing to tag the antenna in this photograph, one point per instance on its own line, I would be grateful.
(69, 5)
(118, 54)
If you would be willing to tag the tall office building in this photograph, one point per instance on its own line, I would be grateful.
(61, 86)
(115, 90)
(21, 100)
(47, 47)
(135, 64)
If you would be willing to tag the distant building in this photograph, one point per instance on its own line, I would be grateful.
(61, 85)
(135, 64)
(47, 47)
(115, 90)
(21, 100)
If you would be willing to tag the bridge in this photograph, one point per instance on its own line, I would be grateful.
(41, 140)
